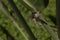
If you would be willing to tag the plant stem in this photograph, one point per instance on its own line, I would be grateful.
(6, 12)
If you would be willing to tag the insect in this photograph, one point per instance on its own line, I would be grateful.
(35, 16)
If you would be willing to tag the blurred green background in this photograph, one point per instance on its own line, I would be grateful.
(38, 31)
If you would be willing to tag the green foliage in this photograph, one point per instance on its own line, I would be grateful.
(38, 31)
